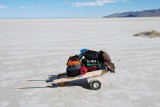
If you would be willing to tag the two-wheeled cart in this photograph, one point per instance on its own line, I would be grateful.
(92, 77)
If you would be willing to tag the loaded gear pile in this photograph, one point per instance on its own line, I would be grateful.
(88, 61)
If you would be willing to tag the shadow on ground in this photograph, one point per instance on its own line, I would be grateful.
(82, 83)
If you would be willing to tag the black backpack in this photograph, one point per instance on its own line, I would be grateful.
(73, 69)
(91, 55)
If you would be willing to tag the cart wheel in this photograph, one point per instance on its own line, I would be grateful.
(62, 84)
(95, 84)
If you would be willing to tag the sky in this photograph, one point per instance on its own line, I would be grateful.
(71, 8)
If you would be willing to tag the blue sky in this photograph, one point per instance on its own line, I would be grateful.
(71, 8)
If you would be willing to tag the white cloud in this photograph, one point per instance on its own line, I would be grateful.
(96, 3)
(3, 6)
(23, 7)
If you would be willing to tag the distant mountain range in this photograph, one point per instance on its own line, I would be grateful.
(145, 13)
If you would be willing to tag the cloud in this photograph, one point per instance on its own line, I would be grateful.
(3, 6)
(23, 7)
(96, 2)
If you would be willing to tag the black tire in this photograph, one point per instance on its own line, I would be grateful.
(95, 84)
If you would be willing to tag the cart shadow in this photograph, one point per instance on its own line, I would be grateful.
(30, 87)
(82, 83)
(72, 84)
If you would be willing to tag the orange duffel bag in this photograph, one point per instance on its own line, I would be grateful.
(73, 60)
